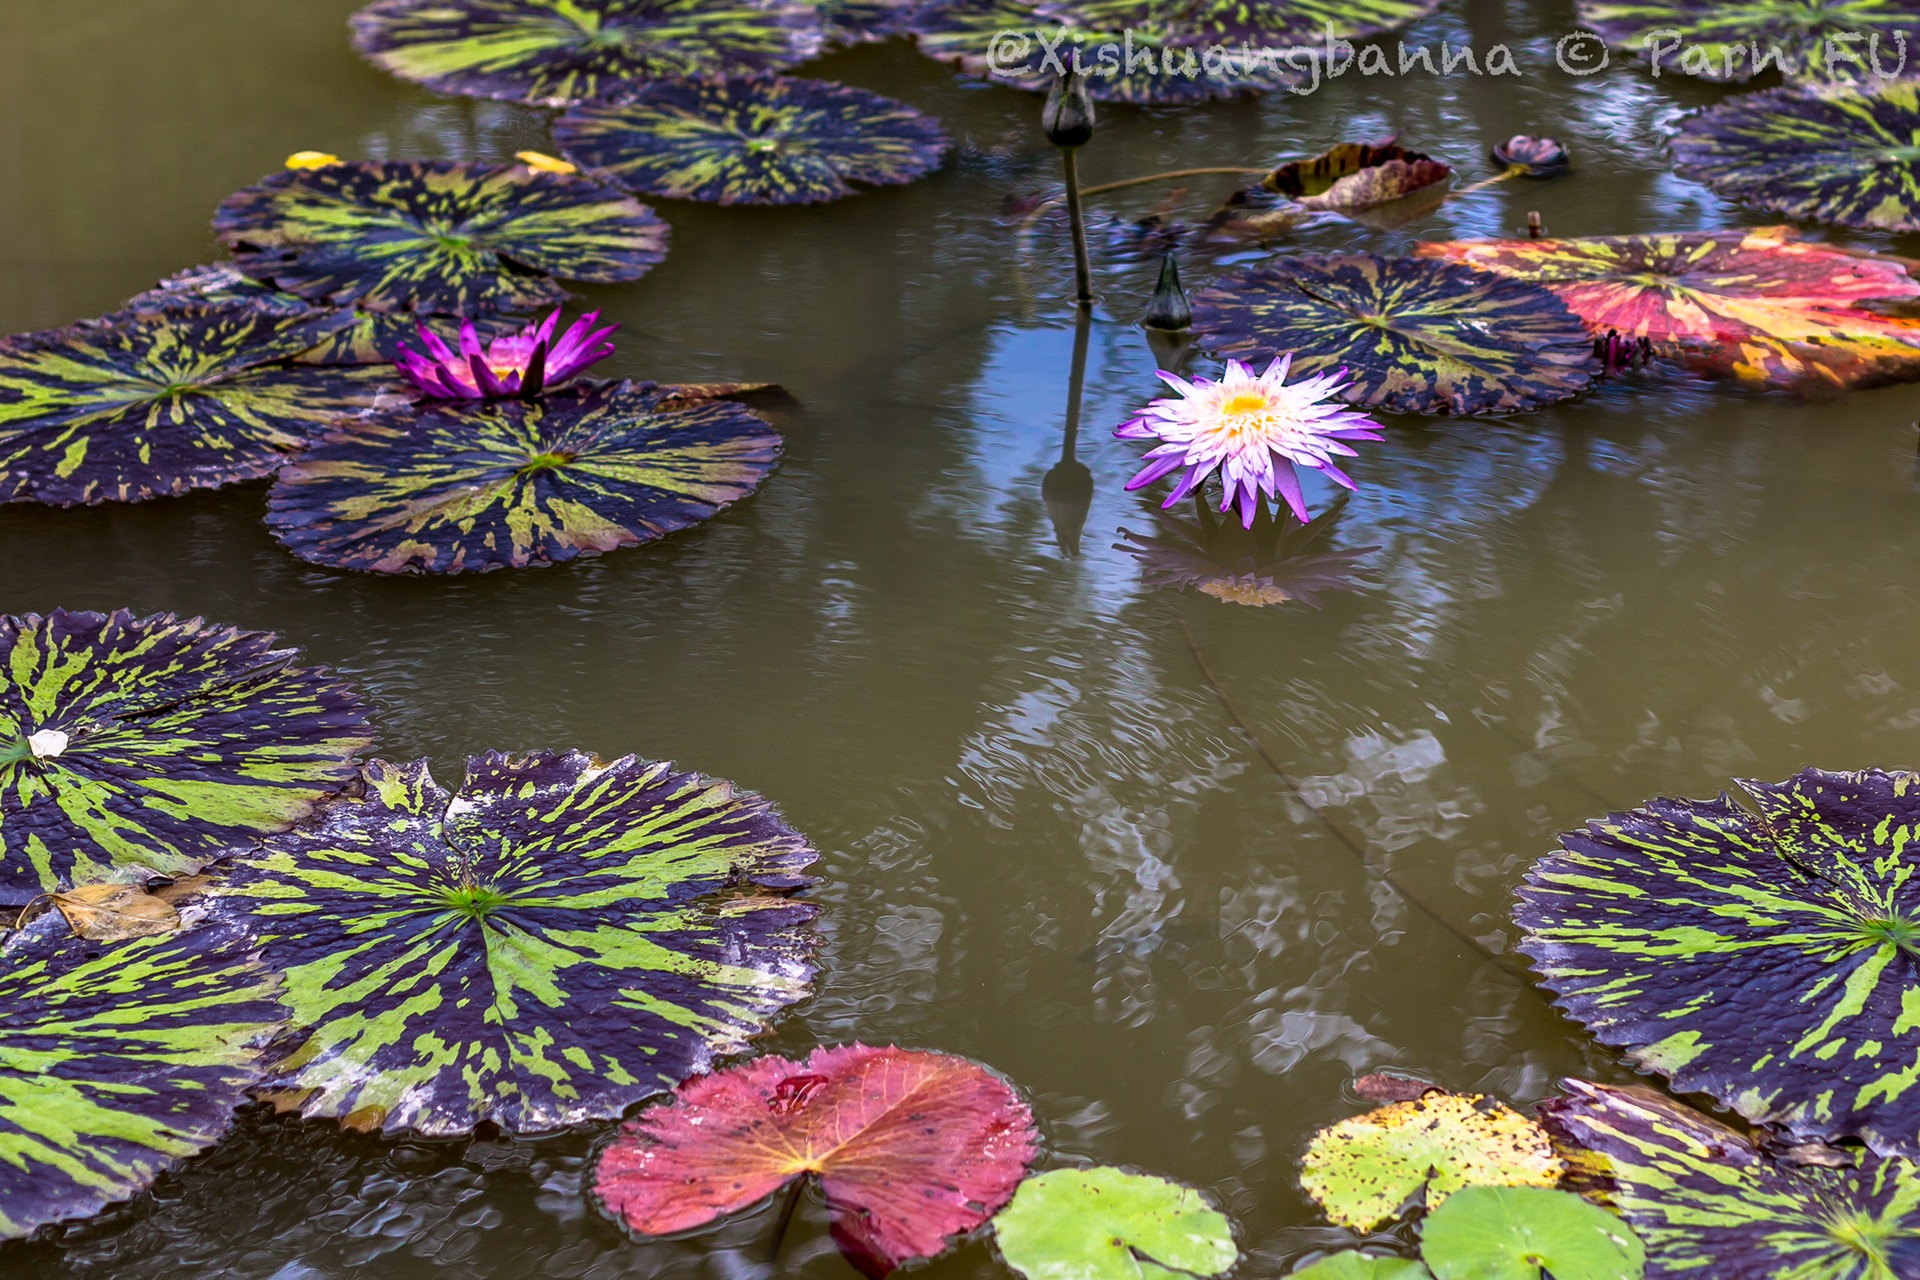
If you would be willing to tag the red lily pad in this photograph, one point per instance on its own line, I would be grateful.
(911, 1149)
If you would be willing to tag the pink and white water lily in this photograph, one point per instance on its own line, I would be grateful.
(519, 364)
(1254, 429)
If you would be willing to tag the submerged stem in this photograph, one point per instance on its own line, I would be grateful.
(788, 1204)
(1354, 845)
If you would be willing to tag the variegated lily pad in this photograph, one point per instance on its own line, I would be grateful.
(1011, 42)
(1232, 24)
(1705, 1201)
(156, 742)
(1753, 304)
(467, 486)
(1767, 960)
(559, 940)
(1731, 42)
(554, 52)
(1839, 154)
(850, 22)
(368, 337)
(1415, 336)
(133, 407)
(117, 1062)
(437, 238)
(752, 140)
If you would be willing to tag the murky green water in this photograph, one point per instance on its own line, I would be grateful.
(1045, 844)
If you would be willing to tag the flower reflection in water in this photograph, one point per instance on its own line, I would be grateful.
(1275, 560)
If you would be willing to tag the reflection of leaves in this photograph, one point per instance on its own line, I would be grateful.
(1108, 1224)
(1276, 560)
(559, 940)
(1362, 1170)
(1356, 175)
(911, 1149)
(1757, 305)
(1834, 153)
(751, 139)
(554, 52)
(117, 1063)
(1524, 1233)
(1414, 335)
(1791, 35)
(1765, 961)
(429, 236)
(1706, 1202)
(470, 486)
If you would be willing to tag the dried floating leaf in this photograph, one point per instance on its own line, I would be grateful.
(1362, 1171)
(1356, 175)
(114, 912)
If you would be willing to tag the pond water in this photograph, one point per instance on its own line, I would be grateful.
(1045, 844)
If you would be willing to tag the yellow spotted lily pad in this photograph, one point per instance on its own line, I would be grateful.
(1363, 1170)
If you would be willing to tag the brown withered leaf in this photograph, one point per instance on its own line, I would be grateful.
(1357, 175)
(1391, 1086)
(114, 912)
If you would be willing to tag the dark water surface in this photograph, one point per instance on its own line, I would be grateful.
(1044, 843)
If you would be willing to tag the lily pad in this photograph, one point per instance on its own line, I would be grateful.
(559, 940)
(1361, 1171)
(435, 237)
(752, 140)
(1732, 42)
(136, 407)
(1756, 305)
(1108, 1224)
(156, 742)
(1415, 335)
(984, 39)
(1527, 1233)
(911, 1149)
(468, 486)
(1835, 154)
(366, 337)
(117, 1062)
(1706, 1202)
(1276, 561)
(554, 52)
(1765, 960)
(849, 22)
(1354, 1265)
(1232, 23)
(1356, 175)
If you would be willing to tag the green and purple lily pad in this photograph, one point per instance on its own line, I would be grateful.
(156, 742)
(558, 940)
(1840, 154)
(555, 52)
(131, 407)
(751, 140)
(1730, 43)
(468, 486)
(1765, 958)
(437, 238)
(1414, 335)
(117, 1062)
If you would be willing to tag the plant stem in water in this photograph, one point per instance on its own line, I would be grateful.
(1082, 271)
(788, 1204)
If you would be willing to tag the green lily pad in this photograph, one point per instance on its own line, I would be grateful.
(437, 238)
(1414, 335)
(1717, 40)
(156, 742)
(1108, 1224)
(1354, 1265)
(1706, 1202)
(1833, 153)
(1767, 961)
(1364, 1169)
(1526, 1233)
(366, 337)
(134, 407)
(751, 140)
(559, 940)
(468, 486)
(553, 52)
(1000, 41)
(117, 1062)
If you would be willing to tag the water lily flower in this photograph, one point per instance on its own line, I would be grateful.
(1537, 157)
(521, 364)
(1254, 429)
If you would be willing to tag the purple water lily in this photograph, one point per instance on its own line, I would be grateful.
(1254, 429)
(521, 364)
